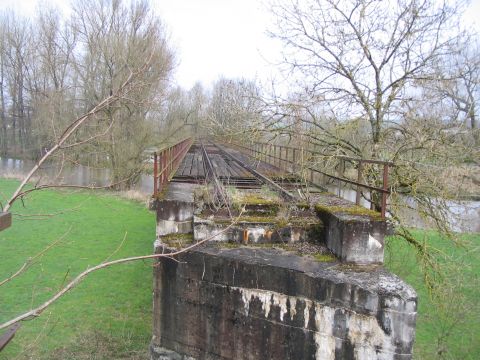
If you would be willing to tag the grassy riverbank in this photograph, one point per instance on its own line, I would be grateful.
(106, 316)
(451, 329)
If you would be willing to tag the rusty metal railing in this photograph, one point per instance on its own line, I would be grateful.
(166, 162)
(288, 158)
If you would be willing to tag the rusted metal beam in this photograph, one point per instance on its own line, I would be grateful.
(213, 176)
(8, 335)
(167, 162)
(5, 220)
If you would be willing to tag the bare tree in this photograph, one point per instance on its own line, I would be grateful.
(457, 83)
(114, 38)
(361, 57)
(235, 107)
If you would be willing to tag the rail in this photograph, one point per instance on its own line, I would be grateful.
(166, 162)
(211, 176)
(282, 156)
(264, 179)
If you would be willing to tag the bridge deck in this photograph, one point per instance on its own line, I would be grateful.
(193, 169)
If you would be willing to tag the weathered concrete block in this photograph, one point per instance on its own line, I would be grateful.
(175, 210)
(249, 232)
(353, 238)
(174, 216)
(256, 303)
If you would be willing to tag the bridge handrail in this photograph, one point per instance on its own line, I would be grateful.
(166, 162)
(261, 148)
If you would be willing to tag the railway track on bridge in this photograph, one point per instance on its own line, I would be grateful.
(208, 162)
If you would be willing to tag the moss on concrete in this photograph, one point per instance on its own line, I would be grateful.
(353, 210)
(324, 257)
(161, 194)
(303, 205)
(320, 257)
(235, 245)
(177, 241)
(249, 219)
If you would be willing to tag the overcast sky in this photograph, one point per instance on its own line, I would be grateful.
(215, 37)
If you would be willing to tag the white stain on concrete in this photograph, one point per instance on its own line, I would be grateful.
(364, 332)
(293, 306)
(373, 243)
(306, 312)
(267, 298)
(324, 338)
(256, 234)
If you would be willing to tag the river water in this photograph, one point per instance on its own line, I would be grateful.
(71, 175)
(465, 214)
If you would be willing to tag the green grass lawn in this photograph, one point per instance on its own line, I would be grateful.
(455, 331)
(106, 316)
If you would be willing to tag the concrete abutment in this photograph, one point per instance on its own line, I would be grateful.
(225, 300)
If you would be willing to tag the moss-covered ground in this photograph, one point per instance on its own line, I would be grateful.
(108, 316)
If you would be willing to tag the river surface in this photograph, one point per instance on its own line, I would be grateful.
(465, 215)
(71, 175)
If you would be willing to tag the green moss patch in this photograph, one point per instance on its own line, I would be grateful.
(177, 241)
(353, 210)
(324, 257)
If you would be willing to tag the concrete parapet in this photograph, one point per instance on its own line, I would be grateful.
(175, 209)
(251, 231)
(351, 232)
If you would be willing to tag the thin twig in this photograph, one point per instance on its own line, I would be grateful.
(31, 260)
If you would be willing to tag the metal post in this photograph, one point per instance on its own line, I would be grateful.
(385, 188)
(164, 167)
(155, 174)
(359, 180)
